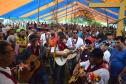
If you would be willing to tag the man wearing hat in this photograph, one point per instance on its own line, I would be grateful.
(9, 31)
(35, 49)
(94, 65)
(59, 71)
(89, 47)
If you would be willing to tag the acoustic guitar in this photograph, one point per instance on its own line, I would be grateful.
(75, 79)
(34, 63)
(61, 61)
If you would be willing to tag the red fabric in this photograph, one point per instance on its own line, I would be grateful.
(45, 25)
(55, 38)
(105, 50)
(35, 53)
(76, 40)
(100, 66)
(53, 41)
(9, 76)
(61, 46)
(90, 39)
(39, 42)
(46, 36)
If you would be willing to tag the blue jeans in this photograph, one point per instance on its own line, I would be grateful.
(59, 74)
(72, 63)
(113, 80)
(41, 78)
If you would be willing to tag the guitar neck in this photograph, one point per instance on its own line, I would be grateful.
(40, 56)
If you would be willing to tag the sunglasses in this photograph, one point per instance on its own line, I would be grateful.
(11, 52)
(74, 32)
(89, 42)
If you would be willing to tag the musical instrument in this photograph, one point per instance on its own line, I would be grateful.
(34, 62)
(54, 54)
(61, 61)
(48, 40)
(75, 78)
(90, 78)
(72, 41)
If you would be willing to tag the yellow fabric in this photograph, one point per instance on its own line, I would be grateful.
(42, 8)
(21, 41)
(59, 30)
(9, 5)
(121, 7)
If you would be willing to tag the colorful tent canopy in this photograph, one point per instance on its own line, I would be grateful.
(28, 9)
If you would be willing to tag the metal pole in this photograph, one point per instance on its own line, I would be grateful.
(38, 13)
(66, 11)
(71, 14)
(107, 21)
(56, 13)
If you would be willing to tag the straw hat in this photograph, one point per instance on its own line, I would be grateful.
(8, 28)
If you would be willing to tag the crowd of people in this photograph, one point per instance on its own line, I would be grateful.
(98, 51)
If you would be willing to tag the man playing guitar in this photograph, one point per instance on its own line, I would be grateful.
(96, 65)
(73, 43)
(59, 71)
(35, 49)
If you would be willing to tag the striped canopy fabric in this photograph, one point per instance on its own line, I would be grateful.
(28, 9)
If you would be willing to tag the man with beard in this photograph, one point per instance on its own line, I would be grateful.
(117, 65)
(52, 40)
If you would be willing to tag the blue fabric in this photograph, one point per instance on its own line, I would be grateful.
(59, 74)
(80, 34)
(33, 5)
(51, 65)
(118, 62)
(72, 64)
(41, 78)
(84, 53)
(110, 48)
(87, 36)
(96, 45)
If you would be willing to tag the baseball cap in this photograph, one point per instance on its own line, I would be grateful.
(34, 30)
(107, 44)
(61, 34)
(8, 28)
(33, 37)
(109, 33)
(96, 52)
(90, 39)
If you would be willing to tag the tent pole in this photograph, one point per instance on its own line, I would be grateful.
(66, 12)
(56, 13)
(38, 13)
